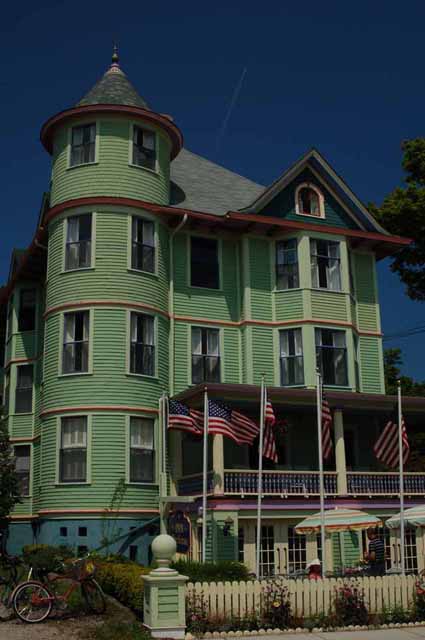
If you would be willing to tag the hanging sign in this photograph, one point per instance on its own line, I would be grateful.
(179, 529)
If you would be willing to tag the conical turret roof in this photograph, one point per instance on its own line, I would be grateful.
(113, 88)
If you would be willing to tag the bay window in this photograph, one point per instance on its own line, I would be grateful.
(205, 355)
(78, 242)
(24, 386)
(27, 309)
(73, 449)
(325, 264)
(291, 357)
(22, 455)
(142, 450)
(83, 145)
(331, 354)
(287, 264)
(75, 357)
(142, 344)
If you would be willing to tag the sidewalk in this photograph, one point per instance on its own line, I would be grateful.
(409, 633)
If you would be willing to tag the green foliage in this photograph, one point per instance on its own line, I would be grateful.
(276, 609)
(45, 558)
(9, 484)
(403, 213)
(419, 604)
(393, 361)
(395, 615)
(225, 570)
(116, 630)
(350, 608)
(123, 581)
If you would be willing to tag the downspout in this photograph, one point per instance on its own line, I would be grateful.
(171, 303)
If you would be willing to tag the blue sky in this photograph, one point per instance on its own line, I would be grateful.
(345, 77)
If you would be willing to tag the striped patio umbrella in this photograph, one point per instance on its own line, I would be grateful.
(337, 520)
(415, 516)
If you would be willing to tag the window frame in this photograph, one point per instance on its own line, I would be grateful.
(131, 162)
(22, 291)
(88, 448)
(29, 446)
(66, 218)
(96, 144)
(155, 453)
(219, 262)
(291, 356)
(318, 257)
(143, 218)
(154, 318)
(313, 187)
(89, 371)
(277, 264)
(204, 356)
(319, 362)
(20, 366)
(297, 550)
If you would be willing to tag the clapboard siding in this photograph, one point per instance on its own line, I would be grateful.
(111, 175)
(263, 354)
(260, 278)
(371, 365)
(328, 305)
(289, 305)
(366, 296)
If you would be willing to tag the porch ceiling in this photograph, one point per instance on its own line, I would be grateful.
(250, 394)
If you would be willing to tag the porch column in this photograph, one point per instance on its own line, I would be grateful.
(218, 464)
(175, 460)
(341, 468)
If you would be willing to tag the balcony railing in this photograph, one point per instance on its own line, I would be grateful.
(285, 483)
(384, 484)
(192, 485)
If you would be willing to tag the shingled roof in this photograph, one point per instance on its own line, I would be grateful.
(113, 88)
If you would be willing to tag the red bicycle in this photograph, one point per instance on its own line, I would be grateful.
(33, 600)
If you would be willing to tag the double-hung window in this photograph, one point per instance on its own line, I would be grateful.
(291, 357)
(76, 342)
(22, 455)
(142, 344)
(325, 264)
(73, 449)
(205, 355)
(144, 148)
(78, 242)
(83, 145)
(27, 308)
(204, 266)
(142, 450)
(24, 384)
(287, 264)
(331, 353)
(142, 245)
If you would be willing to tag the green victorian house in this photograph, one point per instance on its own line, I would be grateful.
(155, 270)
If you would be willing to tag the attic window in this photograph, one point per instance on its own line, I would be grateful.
(309, 201)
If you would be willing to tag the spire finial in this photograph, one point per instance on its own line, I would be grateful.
(115, 56)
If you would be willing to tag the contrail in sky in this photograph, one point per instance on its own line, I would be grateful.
(235, 96)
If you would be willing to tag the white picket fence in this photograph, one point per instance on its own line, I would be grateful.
(308, 597)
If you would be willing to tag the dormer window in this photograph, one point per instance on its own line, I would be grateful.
(309, 201)
(144, 148)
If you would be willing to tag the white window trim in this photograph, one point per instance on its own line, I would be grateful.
(279, 330)
(127, 449)
(93, 241)
(128, 344)
(348, 353)
(61, 336)
(88, 448)
(142, 125)
(69, 167)
(146, 218)
(313, 187)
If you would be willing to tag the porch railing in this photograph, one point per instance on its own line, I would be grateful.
(284, 483)
(384, 484)
(192, 485)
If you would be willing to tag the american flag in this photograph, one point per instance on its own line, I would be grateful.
(230, 423)
(386, 447)
(185, 419)
(326, 429)
(269, 443)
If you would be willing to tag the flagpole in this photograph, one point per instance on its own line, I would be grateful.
(321, 480)
(400, 456)
(260, 477)
(164, 413)
(204, 478)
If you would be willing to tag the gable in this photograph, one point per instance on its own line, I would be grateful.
(283, 204)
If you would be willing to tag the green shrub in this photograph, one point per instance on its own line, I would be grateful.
(120, 631)
(45, 557)
(124, 582)
(223, 571)
(350, 608)
(395, 615)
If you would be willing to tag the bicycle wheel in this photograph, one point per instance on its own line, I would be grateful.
(32, 602)
(93, 595)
